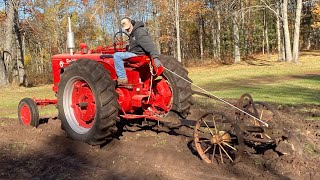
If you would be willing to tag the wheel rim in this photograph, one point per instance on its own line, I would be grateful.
(164, 95)
(79, 105)
(263, 112)
(213, 142)
(25, 114)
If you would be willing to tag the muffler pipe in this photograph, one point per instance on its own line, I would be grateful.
(70, 38)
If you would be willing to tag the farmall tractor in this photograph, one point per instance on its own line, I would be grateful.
(89, 100)
(91, 103)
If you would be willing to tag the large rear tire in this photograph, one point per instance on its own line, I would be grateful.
(182, 93)
(87, 102)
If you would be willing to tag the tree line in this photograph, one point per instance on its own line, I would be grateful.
(194, 31)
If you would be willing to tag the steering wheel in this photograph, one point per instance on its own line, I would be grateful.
(121, 40)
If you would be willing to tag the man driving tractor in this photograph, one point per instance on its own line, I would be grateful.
(140, 44)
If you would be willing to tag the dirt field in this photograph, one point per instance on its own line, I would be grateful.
(140, 153)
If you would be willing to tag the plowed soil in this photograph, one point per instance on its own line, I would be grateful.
(144, 153)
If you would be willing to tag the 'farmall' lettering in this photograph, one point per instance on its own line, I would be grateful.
(70, 60)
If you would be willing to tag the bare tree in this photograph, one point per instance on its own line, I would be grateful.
(297, 32)
(9, 36)
(156, 27)
(201, 36)
(177, 21)
(236, 38)
(286, 31)
(3, 73)
(278, 31)
(266, 32)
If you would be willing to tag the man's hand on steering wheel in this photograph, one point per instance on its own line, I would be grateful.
(120, 40)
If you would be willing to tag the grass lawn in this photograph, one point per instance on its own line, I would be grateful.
(10, 97)
(264, 78)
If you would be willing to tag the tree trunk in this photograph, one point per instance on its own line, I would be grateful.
(297, 32)
(157, 28)
(278, 32)
(309, 42)
(264, 31)
(286, 31)
(218, 33)
(176, 3)
(214, 31)
(3, 73)
(201, 37)
(267, 39)
(9, 35)
(283, 47)
(236, 38)
(21, 78)
(214, 40)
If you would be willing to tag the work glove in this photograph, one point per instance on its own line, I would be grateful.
(158, 67)
(157, 62)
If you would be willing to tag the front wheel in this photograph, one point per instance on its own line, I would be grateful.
(87, 102)
(28, 113)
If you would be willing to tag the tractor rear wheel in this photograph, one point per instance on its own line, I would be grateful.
(87, 102)
(182, 93)
(28, 112)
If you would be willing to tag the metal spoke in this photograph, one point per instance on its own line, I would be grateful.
(204, 140)
(208, 127)
(207, 149)
(225, 152)
(267, 136)
(213, 153)
(266, 120)
(215, 126)
(225, 132)
(227, 144)
(220, 153)
(261, 114)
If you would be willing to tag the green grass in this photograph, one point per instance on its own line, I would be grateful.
(264, 78)
(11, 96)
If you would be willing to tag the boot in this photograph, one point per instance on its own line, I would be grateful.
(122, 81)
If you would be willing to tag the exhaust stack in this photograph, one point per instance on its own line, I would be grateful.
(70, 38)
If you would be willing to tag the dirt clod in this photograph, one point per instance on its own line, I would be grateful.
(270, 154)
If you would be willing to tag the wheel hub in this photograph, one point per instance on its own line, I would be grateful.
(222, 136)
(83, 103)
(25, 114)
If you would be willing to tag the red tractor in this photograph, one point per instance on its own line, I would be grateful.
(89, 101)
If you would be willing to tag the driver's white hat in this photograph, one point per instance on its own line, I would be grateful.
(125, 23)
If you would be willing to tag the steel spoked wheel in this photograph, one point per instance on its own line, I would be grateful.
(79, 105)
(245, 103)
(216, 139)
(28, 112)
(266, 113)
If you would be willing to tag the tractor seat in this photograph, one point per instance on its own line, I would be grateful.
(137, 61)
